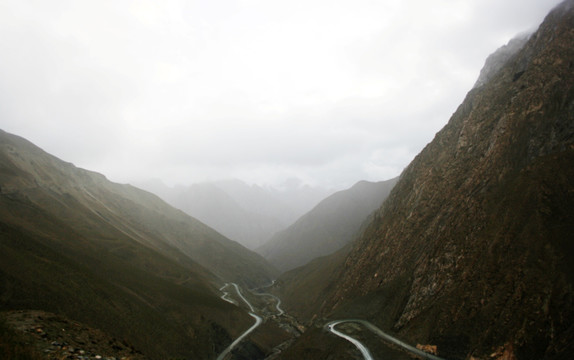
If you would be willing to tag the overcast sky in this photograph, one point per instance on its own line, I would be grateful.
(327, 92)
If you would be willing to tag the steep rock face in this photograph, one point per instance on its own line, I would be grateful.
(326, 228)
(471, 251)
(499, 58)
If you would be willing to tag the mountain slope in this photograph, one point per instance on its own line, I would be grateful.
(471, 250)
(327, 227)
(286, 204)
(114, 257)
(58, 186)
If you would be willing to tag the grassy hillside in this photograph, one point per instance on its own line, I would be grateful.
(117, 285)
(115, 257)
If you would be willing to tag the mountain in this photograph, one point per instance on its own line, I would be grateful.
(327, 227)
(285, 203)
(472, 249)
(248, 214)
(213, 206)
(115, 257)
(495, 61)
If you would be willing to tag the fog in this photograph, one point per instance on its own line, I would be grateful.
(326, 93)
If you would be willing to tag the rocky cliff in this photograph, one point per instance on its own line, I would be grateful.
(471, 251)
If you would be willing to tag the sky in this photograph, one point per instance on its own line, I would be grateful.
(323, 93)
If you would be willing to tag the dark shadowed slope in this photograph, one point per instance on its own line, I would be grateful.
(472, 249)
(114, 257)
(327, 227)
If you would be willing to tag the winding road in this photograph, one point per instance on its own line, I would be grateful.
(329, 327)
(380, 333)
(277, 302)
(251, 308)
(226, 294)
(258, 319)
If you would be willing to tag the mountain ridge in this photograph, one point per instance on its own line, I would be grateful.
(248, 214)
(151, 216)
(115, 257)
(326, 228)
(470, 250)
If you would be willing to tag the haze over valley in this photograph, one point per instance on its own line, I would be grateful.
(302, 180)
(249, 214)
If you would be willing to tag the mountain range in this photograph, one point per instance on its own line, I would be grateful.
(248, 214)
(466, 253)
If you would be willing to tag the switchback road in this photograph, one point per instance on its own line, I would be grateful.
(258, 319)
(380, 333)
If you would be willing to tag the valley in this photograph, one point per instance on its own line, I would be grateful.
(464, 256)
(381, 334)
(266, 308)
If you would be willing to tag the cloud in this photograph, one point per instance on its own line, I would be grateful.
(329, 92)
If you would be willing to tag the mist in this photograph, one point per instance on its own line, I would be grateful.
(324, 92)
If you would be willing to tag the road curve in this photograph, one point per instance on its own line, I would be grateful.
(362, 348)
(258, 319)
(277, 302)
(226, 294)
(277, 305)
(243, 298)
(381, 334)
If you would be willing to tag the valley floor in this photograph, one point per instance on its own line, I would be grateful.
(370, 342)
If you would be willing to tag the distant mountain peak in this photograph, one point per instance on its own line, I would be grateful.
(328, 227)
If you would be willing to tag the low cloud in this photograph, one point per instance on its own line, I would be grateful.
(326, 92)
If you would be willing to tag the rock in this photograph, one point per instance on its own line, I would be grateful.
(505, 352)
(497, 59)
(63, 339)
(431, 349)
